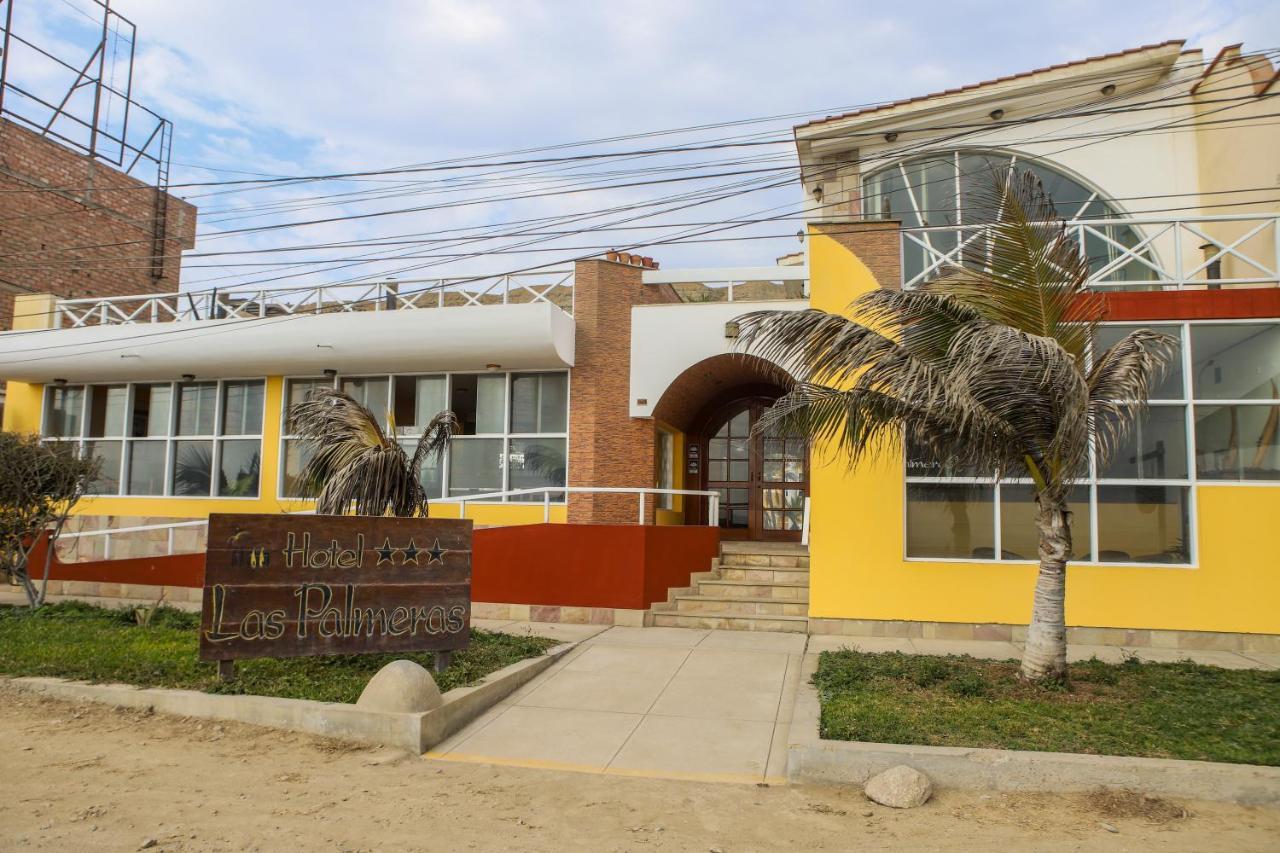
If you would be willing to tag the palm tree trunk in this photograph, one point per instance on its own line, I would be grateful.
(1045, 656)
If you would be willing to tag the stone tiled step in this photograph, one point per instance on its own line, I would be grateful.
(764, 574)
(729, 622)
(740, 606)
(779, 590)
(743, 547)
(758, 561)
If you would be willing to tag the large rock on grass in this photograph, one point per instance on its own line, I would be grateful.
(401, 687)
(900, 787)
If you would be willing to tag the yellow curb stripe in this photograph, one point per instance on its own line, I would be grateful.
(541, 764)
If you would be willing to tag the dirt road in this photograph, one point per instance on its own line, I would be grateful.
(87, 777)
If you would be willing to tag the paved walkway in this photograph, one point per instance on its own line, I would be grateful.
(669, 702)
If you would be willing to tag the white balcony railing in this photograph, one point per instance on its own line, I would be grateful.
(1201, 253)
(552, 286)
(734, 284)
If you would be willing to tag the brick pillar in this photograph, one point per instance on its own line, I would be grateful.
(608, 447)
(878, 244)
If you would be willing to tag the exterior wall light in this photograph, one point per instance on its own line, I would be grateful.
(891, 136)
(1109, 89)
(59, 382)
(188, 377)
(329, 373)
(492, 367)
(996, 114)
(731, 330)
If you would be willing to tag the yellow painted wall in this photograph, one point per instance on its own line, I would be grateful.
(675, 515)
(22, 413)
(858, 569)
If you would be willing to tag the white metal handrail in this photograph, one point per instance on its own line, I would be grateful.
(390, 295)
(108, 532)
(727, 284)
(713, 498)
(1240, 250)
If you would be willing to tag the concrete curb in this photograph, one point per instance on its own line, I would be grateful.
(411, 732)
(812, 759)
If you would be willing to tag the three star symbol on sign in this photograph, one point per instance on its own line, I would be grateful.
(409, 553)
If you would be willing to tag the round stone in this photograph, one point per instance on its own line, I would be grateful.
(401, 687)
(900, 787)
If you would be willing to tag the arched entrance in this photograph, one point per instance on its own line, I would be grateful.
(762, 480)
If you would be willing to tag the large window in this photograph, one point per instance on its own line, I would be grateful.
(1213, 417)
(939, 197)
(512, 432)
(194, 439)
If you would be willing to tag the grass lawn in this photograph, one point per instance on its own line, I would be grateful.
(87, 643)
(1159, 710)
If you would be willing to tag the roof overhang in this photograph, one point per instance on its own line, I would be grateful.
(1068, 85)
(524, 336)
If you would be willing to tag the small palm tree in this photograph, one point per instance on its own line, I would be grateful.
(355, 466)
(986, 367)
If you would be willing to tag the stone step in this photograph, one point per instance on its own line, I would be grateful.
(764, 574)
(745, 547)
(784, 561)
(779, 591)
(729, 622)
(739, 606)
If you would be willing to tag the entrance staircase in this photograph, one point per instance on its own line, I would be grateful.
(752, 586)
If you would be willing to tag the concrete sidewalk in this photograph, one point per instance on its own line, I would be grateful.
(666, 702)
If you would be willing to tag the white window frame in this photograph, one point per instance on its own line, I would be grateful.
(506, 436)
(170, 437)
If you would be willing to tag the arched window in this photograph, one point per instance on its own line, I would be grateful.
(941, 200)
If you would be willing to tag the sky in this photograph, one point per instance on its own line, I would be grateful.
(306, 87)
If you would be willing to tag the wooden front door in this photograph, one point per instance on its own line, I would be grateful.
(762, 480)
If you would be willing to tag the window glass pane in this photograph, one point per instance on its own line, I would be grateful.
(1238, 442)
(370, 392)
(1019, 539)
(106, 410)
(475, 466)
(537, 462)
(242, 408)
(64, 411)
(1156, 448)
(111, 453)
(664, 476)
(146, 468)
(240, 463)
(150, 416)
(950, 520)
(196, 402)
(297, 390)
(539, 402)
(192, 467)
(296, 456)
(923, 462)
(479, 401)
(418, 399)
(1169, 385)
(1143, 524)
(1239, 361)
(430, 472)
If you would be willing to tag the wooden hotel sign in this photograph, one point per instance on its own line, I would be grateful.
(294, 585)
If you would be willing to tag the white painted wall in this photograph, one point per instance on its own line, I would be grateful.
(666, 340)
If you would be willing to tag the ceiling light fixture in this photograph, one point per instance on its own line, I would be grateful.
(891, 136)
(1109, 89)
(996, 114)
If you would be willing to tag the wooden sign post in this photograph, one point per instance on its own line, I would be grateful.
(297, 585)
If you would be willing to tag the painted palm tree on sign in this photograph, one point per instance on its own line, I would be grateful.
(988, 367)
(356, 466)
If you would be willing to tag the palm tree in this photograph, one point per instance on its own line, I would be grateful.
(356, 466)
(987, 367)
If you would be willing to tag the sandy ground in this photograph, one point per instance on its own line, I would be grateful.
(90, 777)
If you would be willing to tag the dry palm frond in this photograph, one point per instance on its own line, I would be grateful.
(356, 465)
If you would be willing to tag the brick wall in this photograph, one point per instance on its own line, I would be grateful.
(877, 244)
(607, 447)
(42, 232)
